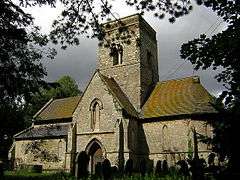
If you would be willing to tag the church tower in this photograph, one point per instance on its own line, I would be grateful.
(128, 53)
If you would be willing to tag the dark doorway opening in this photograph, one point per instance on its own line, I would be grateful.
(96, 157)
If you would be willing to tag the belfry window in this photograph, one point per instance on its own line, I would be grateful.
(95, 115)
(116, 53)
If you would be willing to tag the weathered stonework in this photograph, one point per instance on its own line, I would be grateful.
(137, 74)
(49, 153)
(179, 139)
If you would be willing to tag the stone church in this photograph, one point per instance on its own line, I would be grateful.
(124, 112)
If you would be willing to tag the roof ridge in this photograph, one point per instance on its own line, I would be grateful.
(178, 79)
(67, 97)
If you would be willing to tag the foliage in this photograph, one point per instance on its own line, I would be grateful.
(221, 52)
(86, 16)
(22, 47)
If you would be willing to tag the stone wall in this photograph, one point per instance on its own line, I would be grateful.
(50, 153)
(173, 140)
(113, 131)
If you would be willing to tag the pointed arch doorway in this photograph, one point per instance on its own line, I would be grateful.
(96, 153)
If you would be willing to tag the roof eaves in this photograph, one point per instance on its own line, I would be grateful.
(23, 131)
(177, 116)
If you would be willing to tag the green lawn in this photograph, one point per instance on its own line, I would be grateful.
(24, 175)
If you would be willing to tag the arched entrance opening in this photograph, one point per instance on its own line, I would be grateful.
(96, 154)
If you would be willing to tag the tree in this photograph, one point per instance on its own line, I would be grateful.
(222, 51)
(21, 72)
(21, 49)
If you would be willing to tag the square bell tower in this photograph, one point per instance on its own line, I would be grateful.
(128, 53)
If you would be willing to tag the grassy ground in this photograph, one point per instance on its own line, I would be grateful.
(24, 175)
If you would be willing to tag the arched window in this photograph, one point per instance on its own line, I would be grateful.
(165, 138)
(116, 53)
(95, 108)
(60, 149)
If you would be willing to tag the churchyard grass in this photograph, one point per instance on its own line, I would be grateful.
(24, 175)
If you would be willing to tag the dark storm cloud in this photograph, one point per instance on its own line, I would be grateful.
(77, 62)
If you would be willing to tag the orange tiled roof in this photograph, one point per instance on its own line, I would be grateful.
(178, 97)
(58, 109)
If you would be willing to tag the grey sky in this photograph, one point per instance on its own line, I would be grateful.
(80, 62)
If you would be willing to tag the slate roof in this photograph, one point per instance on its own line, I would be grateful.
(119, 95)
(43, 132)
(58, 109)
(178, 97)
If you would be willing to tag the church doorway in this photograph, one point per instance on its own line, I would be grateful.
(95, 152)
